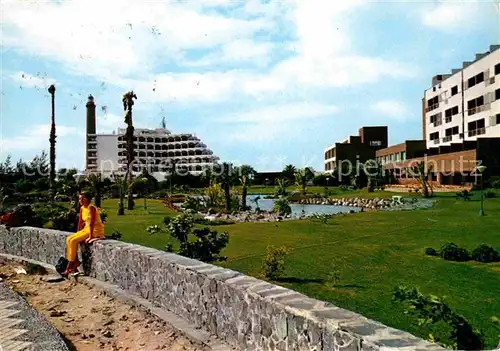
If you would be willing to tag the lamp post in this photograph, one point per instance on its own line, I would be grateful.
(481, 169)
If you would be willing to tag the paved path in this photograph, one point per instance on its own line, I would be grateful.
(22, 328)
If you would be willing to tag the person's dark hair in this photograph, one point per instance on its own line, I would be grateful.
(87, 195)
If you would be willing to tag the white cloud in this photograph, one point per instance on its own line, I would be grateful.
(27, 80)
(391, 108)
(125, 37)
(36, 138)
(450, 15)
(129, 44)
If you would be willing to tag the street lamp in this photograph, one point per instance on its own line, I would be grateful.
(481, 169)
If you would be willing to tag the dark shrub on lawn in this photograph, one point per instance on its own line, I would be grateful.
(431, 252)
(486, 254)
(489, 194)
(452, 252)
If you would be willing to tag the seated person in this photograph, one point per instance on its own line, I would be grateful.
(90, 228)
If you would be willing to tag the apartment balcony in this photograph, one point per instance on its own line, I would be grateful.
(431, 108)
(476, 132)
(478, 109)
(435, 141)
(447, 138)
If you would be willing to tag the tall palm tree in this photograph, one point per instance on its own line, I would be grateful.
(52, 140)
(128, 102)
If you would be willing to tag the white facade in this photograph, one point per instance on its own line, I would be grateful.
(155, 149)
(465, 105)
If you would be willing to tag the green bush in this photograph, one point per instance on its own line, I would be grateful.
(274, 262)
(486, 254)
(193, 203)
(452, 252)
(431, 252)
(65, 220)
(489, 194)
(494, 182)
(282, 207)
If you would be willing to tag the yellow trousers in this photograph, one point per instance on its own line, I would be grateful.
(74, 240)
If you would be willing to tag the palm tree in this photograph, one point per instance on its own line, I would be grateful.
(421, 173)
(121, 183)
(245, 175)
(128, 102)
(302, 177)
(289, 172)
(52, 140)
(225, 181)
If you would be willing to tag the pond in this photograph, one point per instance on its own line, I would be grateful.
(299, 209)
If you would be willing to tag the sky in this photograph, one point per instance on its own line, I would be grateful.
(265, 83)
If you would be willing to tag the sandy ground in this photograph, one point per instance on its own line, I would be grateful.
(90, 320)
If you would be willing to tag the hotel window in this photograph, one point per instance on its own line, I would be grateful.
(434, 136)
(497, 68)
(497, 94)
(403, 156)
(454, 90)
(450, 112)
(473, 104)
(475, 80)
(476, 127)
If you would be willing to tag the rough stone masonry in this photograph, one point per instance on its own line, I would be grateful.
(248, 313)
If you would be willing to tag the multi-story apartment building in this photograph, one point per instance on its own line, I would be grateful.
(360, 148)
(157, 150)
(465, 104)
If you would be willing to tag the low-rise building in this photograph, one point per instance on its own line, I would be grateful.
(354, 149)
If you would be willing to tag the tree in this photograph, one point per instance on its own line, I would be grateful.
(302, 177)
(94, 181)
(121, 183)
(421, 172)
(225, 179)
(281, 183)
(289, 172)
(128, 103)
(52, 139)
(245, 175)
(373, 171)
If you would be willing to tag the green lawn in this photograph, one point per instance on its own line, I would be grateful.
(373, 252)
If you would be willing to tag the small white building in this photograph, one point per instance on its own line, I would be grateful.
(157, 150)
(465, 104)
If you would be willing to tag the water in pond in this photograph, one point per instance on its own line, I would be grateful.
(298, 209)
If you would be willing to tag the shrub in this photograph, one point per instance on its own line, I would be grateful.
(65, 220)
(494, 182)
(206, 247)
(217, 221)
(21, 215)
(274, 262)
(282, 207)
(116, 235)
(432, 311)
(431, 252)
(153, 229)
(452, 252)
(208, 243)
(193, 203)
(486, 254)
(103, 214)
(489, 194)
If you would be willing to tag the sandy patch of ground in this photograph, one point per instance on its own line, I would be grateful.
(89, 320)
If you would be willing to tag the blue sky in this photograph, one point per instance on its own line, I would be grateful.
(265, 83)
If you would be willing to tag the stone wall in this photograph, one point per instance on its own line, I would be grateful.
(246, 312)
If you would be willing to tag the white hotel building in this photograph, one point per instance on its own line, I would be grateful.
(156, 149)
(465, 104)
